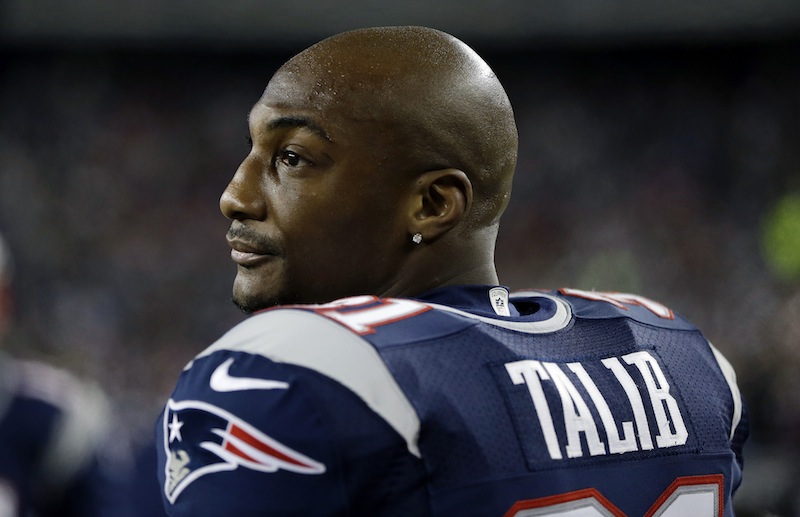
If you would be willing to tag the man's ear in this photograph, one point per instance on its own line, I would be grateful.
(441, 200)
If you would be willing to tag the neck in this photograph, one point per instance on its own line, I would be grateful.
(430, 269)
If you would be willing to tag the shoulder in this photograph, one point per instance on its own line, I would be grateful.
(294, 332)
(305, 342)
(291, 389)
(597, 305)
(58, 413)
(47, 386)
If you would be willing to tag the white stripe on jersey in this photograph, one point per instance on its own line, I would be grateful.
(557, 321)
(730, 376)
(306, 339)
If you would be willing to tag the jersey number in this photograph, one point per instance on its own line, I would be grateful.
(620, 300)
(362, 314)
(690, 495)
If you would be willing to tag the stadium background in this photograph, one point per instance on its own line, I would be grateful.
(659, 154)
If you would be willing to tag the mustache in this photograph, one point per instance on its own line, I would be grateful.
(264, 245)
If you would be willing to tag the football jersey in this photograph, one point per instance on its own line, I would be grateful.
(53, 444)
(465, 401)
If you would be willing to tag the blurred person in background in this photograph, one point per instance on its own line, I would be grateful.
(58, 457)
(144, 492)
(385, 371)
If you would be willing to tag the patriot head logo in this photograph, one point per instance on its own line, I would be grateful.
(200, 439)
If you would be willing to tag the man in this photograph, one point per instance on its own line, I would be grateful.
(385, 371)
(57, 457)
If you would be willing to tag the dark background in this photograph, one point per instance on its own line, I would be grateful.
(659, 152)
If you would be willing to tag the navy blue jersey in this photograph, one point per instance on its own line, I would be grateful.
(464, 402)
(53, 445)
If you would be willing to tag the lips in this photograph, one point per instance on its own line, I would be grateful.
(248, 249)
(247, 259)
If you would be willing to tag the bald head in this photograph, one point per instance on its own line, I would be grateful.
(381, 161)
(436, 102)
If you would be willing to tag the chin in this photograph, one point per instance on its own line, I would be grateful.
(251, 300)
(251, 305)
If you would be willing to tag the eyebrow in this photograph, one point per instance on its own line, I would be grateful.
(298, 122)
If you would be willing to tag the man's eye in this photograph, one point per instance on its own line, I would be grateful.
(290, 158)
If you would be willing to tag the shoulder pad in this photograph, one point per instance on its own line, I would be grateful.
(605, 305)
(304, 338)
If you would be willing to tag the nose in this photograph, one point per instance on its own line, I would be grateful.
(244, 197)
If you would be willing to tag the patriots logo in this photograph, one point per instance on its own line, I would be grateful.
(200, 439)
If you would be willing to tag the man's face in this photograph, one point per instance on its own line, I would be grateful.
(314, 214)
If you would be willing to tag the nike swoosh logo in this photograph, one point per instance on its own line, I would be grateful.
(222, 381)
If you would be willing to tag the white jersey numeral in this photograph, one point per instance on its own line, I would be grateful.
(362, 314)
(699, 496)
(620, 300)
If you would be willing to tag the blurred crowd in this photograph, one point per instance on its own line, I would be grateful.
(654, 170)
